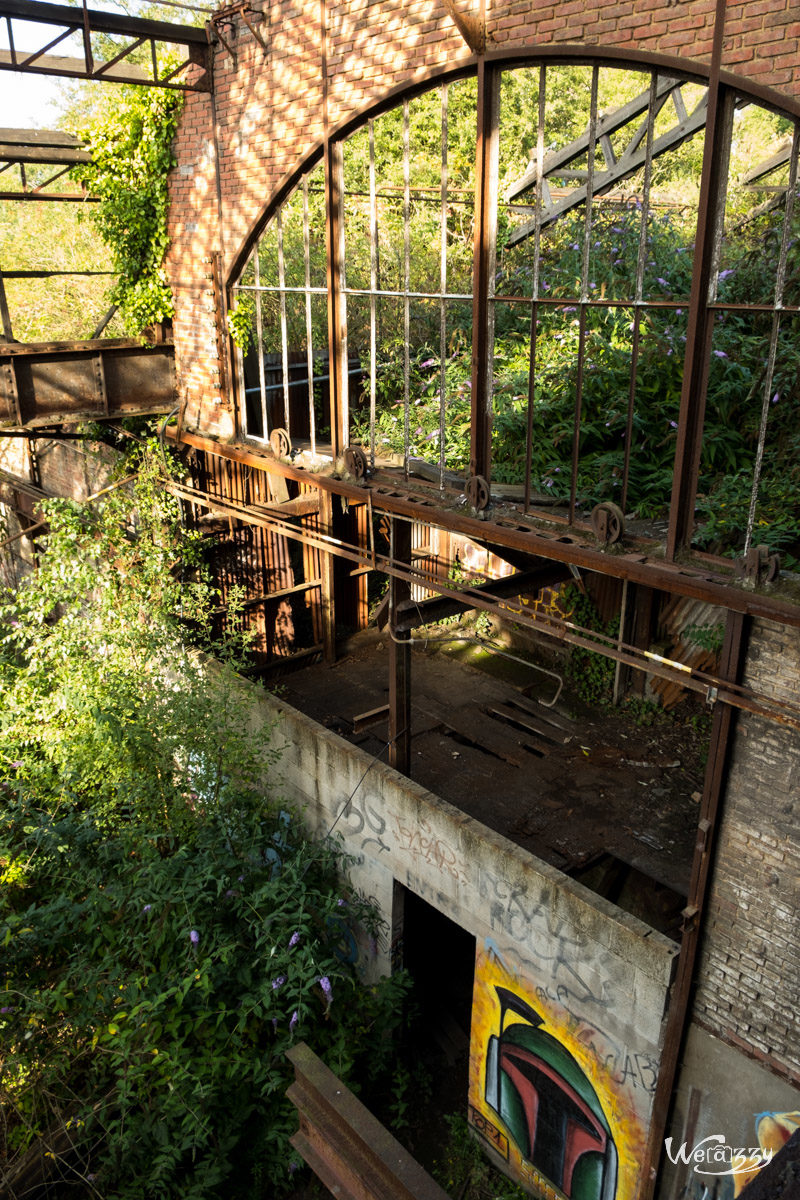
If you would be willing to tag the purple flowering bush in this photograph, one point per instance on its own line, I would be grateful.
(167, 930)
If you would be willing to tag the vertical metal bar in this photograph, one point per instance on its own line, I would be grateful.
(284, 329)
(716, 150)
(337, 326)
(443, 287)
(87, 41)
(576, 428)
(262, 383)
(641, 262)
(721, 742)
(326, 574)
(406, 284)
(312, 424)
(373, 300)
(485, 244)
(537, 243)
(585, 268)
(780, 281)
(5, 315)
(399, 653)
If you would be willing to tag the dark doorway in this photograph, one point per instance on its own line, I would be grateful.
(440, 956)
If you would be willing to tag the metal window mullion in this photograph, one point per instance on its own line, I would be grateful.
(780, 282)
(406, 284)
(373, 301)
(312, 426)
(587, 246)
(537, 243)
(443, 287)
(265, 431)
(284, 331)
(626, 465)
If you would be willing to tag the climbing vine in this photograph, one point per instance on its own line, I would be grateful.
(131, 147)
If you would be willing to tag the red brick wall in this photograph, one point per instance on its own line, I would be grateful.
(270, 111)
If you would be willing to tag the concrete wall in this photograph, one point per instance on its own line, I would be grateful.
(593, 979)
(324, 63)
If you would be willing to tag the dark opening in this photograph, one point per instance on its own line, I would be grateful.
(440, 956)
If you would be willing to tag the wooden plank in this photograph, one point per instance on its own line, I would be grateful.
(484, 734)
(371, 717)
(541, 727)
(506, 713)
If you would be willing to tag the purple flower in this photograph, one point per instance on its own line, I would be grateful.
(720, 354)
(325, 984)
(293, 1021)
(663, 282)
(673, 424)
(429, 362)
(724, 274)
(776, 398)
(194, 937)
(295, 938)
(340, 903)
(17, 762)
(279, 982)
(230, 892)
(8, 1009)
(147, 908)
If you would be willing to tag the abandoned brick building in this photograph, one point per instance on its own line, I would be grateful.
(363, 192)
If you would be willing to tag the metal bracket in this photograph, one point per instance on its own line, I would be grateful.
(759, 566)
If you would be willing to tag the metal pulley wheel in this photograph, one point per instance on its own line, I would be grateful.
(608, 523)
(355, 462)
(477, 492)
(280, 443)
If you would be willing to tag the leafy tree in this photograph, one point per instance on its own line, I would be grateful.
(167, 929)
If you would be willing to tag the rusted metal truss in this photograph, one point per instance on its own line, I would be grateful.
(22, 148)
(107, 45)
(43, 383)
(352, 1153)
(559, 549)
(617, 166)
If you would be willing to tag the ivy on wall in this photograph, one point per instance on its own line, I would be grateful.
(131, 147)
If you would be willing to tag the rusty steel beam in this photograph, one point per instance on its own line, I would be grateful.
(67, 22)
(711, 687)
(412, 613)
(700, 578)
(43, 383)
(352, 1153)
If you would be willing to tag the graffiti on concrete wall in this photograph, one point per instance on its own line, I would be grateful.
(540, 1096)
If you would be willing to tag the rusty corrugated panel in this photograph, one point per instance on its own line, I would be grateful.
(679, 618)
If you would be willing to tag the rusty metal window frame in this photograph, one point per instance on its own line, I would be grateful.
(709, 218)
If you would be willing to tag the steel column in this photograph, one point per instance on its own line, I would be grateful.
(484, 269)
(399, 653)
(731, 668)
(700, 326)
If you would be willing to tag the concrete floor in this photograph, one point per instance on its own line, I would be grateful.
(611, 802)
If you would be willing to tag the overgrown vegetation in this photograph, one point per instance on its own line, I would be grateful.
(131, 147)
(167, 930)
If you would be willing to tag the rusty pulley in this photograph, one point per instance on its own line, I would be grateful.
(355, 462)
(477, 492)
(280, 443)
(608, 523)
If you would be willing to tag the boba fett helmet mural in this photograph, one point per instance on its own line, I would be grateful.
(548, 1105)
